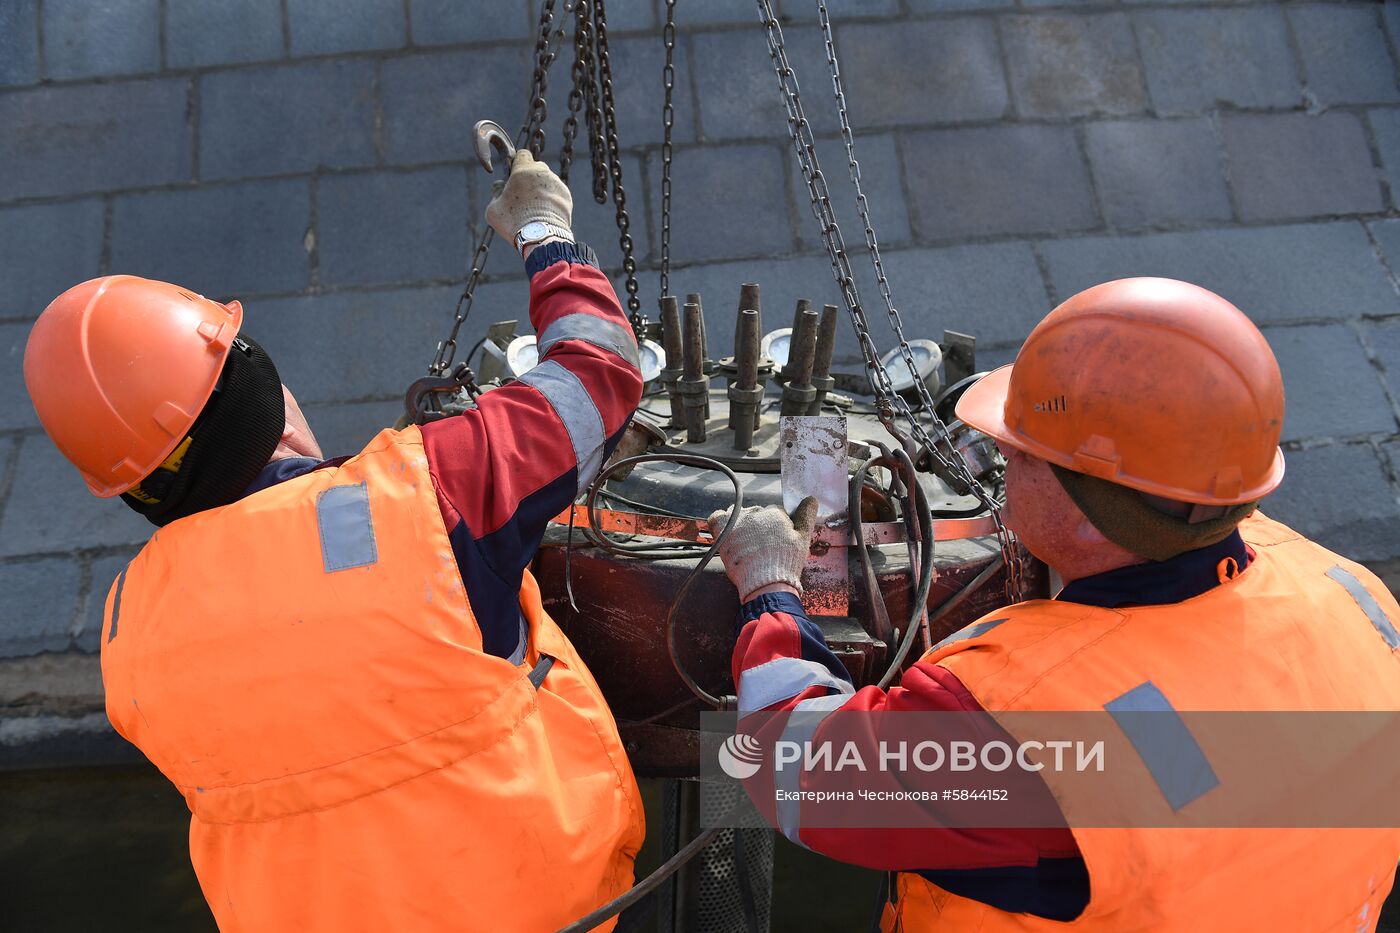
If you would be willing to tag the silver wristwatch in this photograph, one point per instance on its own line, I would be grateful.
(538, 230)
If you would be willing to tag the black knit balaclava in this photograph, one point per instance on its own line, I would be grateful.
(1135, 523)
(231, 441)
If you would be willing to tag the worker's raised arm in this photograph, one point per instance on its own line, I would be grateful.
(782, 664)
(527, 450)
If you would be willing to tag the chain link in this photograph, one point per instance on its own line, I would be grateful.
(546, 48)
(592, 94)
(961, 469)
(583, 59)
(668, 120)
(614, 155)
(597, 139)
(887, 400)
(533, 130)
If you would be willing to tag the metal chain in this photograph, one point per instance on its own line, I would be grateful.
(546, 47)
(597, 140)
(533, 131)
(624, 223)
(583, 52)
(668, 120)
(447, 349)
(887, 400)
(1012, 553)
(800, 132)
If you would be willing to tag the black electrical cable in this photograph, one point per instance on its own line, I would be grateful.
(884, 627)
(642, 506)
(748, 900)
(653, 552)
(915, 507)
(668, 550)
(926, 566)
(657, 717)
(472, 352)
(644, 887)
(916, 502)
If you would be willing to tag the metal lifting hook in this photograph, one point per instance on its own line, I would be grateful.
(488, 135)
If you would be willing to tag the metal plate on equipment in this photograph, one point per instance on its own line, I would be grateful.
(815, 462)
(812, 449)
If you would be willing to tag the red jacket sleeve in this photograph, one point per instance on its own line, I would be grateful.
(502, 470)
(782, 663)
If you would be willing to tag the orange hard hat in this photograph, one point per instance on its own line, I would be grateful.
(1154, 384)
(119, 368)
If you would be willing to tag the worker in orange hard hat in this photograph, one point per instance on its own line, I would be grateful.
(344, 665)
(1140, 424)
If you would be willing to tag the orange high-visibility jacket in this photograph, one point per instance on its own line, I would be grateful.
(304, 666)
(1299, 629)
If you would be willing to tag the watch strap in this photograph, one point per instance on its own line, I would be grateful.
(550, 230)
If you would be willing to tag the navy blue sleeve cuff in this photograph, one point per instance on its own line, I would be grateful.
(559, 251)
(771, 602)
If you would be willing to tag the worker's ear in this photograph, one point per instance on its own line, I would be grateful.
(1087, 533)
(297, 437)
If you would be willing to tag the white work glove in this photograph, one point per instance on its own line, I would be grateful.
(532, 193)
(766, 546)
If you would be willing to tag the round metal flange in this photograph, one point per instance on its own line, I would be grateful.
(775, 346)
(522, 355)
(653, 360)
(928, 356)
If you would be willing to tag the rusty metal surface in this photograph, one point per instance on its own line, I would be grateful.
(619, 629)
(812, 451)
(814, 463)
(618, 617)
(698, 529)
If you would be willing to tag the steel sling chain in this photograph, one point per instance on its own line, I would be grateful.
(887, 400)
(533, 132)
(668, 120)
(583, 61)
(614, 160)
(1008, 546)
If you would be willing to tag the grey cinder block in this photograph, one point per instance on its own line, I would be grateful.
(223, 240)
(250, 124)
(995, 180)
(94, 137)
(1296, 165)
(1156, 172)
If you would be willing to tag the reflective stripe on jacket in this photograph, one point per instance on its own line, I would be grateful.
(1299, 629)
(305, 667)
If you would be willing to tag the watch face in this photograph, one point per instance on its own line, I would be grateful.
(535, 230)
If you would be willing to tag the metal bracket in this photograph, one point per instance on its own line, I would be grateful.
(493, 350)
(959, 356)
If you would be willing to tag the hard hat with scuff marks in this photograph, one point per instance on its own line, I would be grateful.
(119, 368)
(1150, 383)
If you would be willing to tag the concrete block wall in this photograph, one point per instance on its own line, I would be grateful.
(310, 158)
